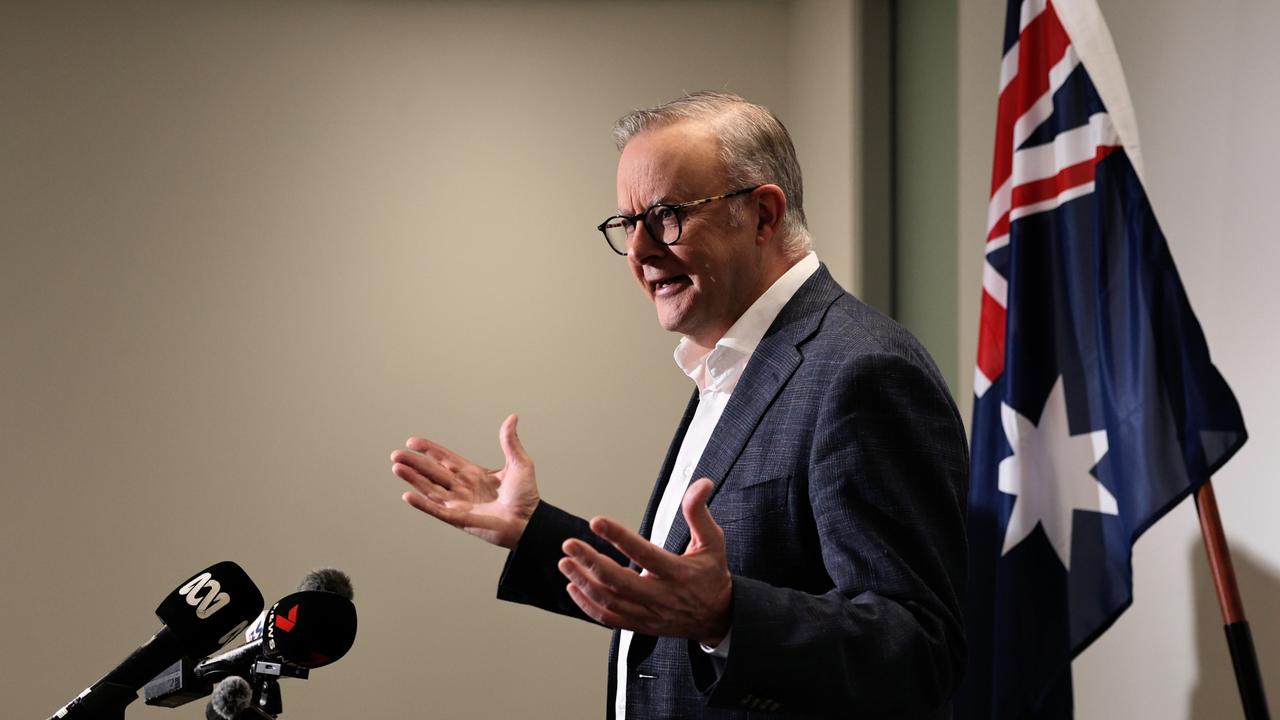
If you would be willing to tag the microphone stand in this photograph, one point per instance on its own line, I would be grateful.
(107, 702)
(266, 695)
(265, 676)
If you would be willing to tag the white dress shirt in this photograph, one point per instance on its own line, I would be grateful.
(715, 372)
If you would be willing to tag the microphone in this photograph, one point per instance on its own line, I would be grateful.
(231, 700)
(198, 617)
(329, 580)
(310, 628)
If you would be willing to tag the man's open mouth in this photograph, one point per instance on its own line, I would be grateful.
(669, 285)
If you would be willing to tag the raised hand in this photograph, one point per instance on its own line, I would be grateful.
(493, 505)
(676, 596)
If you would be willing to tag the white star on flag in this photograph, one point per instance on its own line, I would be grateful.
(1049, 472)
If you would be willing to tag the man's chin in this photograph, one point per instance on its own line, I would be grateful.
(672, 319)
(668, 324)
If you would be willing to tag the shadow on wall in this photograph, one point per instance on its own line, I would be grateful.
(1215, 694)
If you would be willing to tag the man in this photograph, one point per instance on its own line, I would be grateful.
(817, 565)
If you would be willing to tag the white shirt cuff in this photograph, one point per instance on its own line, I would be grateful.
(720, 651)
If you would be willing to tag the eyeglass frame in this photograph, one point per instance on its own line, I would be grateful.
(639, 218)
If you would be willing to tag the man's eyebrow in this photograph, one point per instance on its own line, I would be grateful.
(655, 200)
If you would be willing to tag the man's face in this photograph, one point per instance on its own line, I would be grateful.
(702, 284)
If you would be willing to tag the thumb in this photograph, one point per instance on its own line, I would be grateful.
(512, 449)
(703, 529)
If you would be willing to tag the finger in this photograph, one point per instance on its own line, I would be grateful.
(437, 451)
(425, 466)
(419, 482)
(606, 570)
(433, 506)
(600, 593)
(598, 612)
(703, 530)
(591, 609)
(645, 554)
(512, 448)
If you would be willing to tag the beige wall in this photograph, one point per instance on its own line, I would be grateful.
(1202, 77)
(247, 247)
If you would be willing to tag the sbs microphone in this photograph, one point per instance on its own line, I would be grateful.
(308, 629)
(198, 617)
(330, 580)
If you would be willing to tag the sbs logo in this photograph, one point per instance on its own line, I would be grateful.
(205, 595)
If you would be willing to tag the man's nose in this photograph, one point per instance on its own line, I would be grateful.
(641, 244)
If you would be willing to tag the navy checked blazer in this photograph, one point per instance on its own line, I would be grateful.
(841, 471)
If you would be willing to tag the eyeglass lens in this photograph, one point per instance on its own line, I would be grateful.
(660, 222)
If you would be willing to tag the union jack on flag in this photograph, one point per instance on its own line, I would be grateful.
(1097, 407)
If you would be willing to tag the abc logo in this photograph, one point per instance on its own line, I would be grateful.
(205, 595)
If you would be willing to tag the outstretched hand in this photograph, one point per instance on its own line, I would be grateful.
(493, 505)
(686, 595)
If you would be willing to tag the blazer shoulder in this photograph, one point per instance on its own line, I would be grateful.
(830, 328)
(853, 330)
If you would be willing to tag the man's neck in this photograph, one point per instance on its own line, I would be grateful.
(707, 341)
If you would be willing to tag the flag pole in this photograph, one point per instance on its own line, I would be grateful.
(1239, 639)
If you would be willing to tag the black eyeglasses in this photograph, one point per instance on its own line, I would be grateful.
(662, 221)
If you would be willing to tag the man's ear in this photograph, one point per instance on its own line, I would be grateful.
(771, 205)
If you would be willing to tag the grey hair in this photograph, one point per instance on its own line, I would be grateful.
(755, 148)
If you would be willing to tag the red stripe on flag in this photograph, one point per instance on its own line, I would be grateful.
(1002, 165)
(1000, 228)
(1068, 177)
(1041, 45)
(991, 338)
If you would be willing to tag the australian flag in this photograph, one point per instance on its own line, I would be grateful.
(1097, 407)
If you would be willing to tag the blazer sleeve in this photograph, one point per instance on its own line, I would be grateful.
(887, 483)
(530, 575)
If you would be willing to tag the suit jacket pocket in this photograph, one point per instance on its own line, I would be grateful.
(752, 497)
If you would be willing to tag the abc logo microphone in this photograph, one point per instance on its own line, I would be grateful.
(307, 629)
(199, 616)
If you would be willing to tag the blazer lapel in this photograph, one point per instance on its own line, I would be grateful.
(772, 364)
(774, 361)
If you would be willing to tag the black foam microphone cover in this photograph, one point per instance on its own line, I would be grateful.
(329, 580)
(229, 698)
(233, 700)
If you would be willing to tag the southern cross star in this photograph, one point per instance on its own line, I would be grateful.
(1049, 472)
